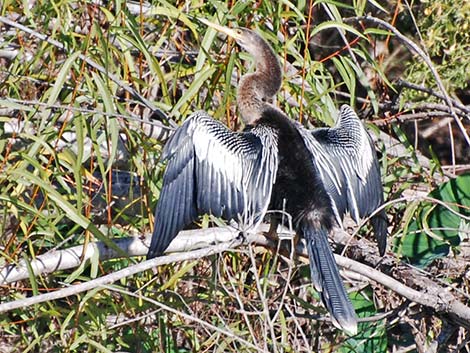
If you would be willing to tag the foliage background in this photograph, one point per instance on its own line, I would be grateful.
(67, 126)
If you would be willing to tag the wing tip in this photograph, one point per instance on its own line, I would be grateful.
(346, 109)
(380, 224)
(156, 247)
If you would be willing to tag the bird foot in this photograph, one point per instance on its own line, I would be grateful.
(271, 234)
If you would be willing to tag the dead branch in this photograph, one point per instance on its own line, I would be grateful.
(402, 83)
(133, 246)
(420, 52)
(400, 278)
(116, 276)
(401, 118)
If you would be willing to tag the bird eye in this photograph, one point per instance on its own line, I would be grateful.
(239, 31)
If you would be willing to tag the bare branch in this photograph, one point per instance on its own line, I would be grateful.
(116, 276)
(413, 86)
(133, 246)
(401, 118)
(432, 294)
(415, 48)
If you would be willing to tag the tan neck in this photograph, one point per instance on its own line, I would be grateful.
(258, 90)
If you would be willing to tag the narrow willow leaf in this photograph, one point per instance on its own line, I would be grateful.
(409, 215)
(348, 76)
(377, 5)
(364, 82)
(137, 41)
(62, 77)
(104, 94)
(206, 44)
(338, 4)
(94, 264)
(70, 211)
(31, 275)
(64, 327)
(77, 166)
(333, 8)
(7, 103)
(378, 31)
(295, 9)
(76, 273)
(13, 203)
(359, 6)
(178, 275)
(170, 11)
(426, 226)
(193, 89)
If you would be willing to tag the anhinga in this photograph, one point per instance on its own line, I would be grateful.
(316, 176)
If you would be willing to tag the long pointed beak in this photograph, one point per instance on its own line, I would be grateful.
(228, 31)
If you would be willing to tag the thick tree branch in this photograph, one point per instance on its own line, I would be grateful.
(429, 293)
(116, 276)
(133, 246)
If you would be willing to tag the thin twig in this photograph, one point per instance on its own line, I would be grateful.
(430, 91)
(268, 320)
(401, 118)
(186, 316)
(414, 47)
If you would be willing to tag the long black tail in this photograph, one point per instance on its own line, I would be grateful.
(327, 281)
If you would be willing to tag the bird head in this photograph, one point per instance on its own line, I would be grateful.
(247, 39)
(257, 90)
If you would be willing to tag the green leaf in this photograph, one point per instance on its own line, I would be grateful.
(172, 12)
(372, 336)
(69, 210)
(77, 166)
(439, 223)
(32, 276)
(7, 103)
(378, 31)
(336, 25)
(199, 79)
(62, 78)
(348, 76)
(177, 276)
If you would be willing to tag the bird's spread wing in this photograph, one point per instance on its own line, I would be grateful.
(212, 170)
(347, 162)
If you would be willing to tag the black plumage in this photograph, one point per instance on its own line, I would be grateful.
(316, 176)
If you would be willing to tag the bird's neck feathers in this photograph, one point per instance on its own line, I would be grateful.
(250, 100)
(252, 103)
(257, 91)
(269, 69)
